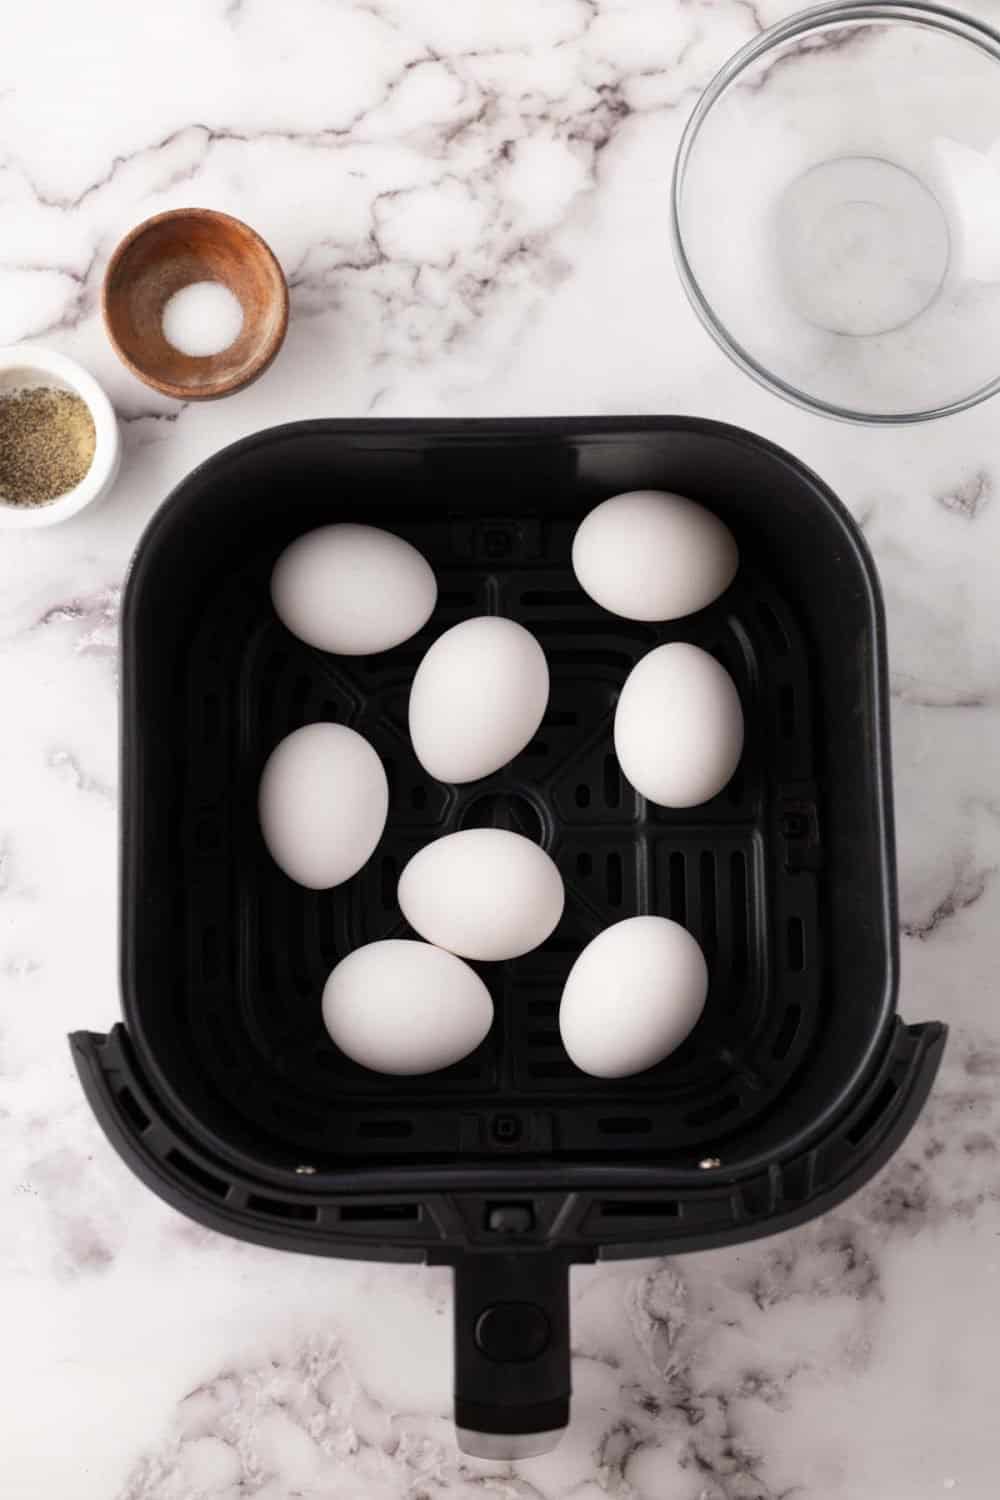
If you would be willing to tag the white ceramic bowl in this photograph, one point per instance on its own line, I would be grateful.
(27, 365)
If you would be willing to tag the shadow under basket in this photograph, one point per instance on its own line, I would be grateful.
(221, 1088)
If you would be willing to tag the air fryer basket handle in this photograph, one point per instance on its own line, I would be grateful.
(512, 1362)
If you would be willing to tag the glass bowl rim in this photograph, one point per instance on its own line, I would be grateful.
(939, 18)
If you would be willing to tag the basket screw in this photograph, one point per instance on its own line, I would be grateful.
(305, 1171)
(709, 1163)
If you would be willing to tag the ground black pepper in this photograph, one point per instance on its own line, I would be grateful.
(47, 442)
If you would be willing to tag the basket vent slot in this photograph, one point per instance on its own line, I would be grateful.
(797, 1180)
(625, 1125)
(738, 908)
(708, 907)
(640, 1208)
(615, 881)
(385, 1130)
(796, 938)
(678, 888)
(280, 1208)
(379, 1213)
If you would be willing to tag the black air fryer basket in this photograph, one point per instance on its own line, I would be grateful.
(221, 1088)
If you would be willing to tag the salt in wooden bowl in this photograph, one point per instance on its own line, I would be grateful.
(168, 252)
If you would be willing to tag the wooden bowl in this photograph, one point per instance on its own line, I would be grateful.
(168, 252)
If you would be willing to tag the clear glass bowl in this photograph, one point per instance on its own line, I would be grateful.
(836, 210)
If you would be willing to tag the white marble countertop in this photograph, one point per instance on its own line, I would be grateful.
(470, 201)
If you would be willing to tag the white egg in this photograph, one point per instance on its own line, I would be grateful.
(353, 589)
(322, 803)
(477, 698)
(632, 997)
(651, 555)
(484, 893)
(405, 1007)
(679, 726)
